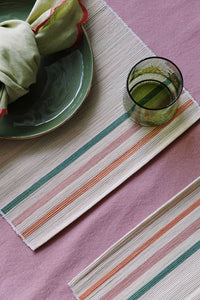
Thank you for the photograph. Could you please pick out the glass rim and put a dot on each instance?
(162, 58)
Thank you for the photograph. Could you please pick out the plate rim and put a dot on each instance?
(76, 110)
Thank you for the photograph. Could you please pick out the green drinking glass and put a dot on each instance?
(153, 89)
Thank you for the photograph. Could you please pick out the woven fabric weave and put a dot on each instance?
(48, 183)
(158, 259)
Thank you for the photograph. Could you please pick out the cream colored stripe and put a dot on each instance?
(80, 211)
(136, 237)
(75, 185)
(142, 257)
(38, 194)
(146, 233)
(100, 192)
(157, 268)
(73, 167)
(91, 173)
(182, 283)
(76, 174)
(145, 255)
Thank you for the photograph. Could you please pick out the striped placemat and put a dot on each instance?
(49, 182)
(159, 259)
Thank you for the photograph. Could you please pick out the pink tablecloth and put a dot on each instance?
(170, 29)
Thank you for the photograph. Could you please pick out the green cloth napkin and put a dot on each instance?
(52, 26)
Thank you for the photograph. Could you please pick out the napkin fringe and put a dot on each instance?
(83, 20)
(3, 111)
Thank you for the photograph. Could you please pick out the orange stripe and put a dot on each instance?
(155, 237)
(74, 176)
(59, 207)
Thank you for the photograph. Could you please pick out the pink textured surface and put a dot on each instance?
(171, 29)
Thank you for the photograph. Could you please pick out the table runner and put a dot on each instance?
(48, 183)
(159, 259)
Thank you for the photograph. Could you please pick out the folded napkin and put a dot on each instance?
(52, 26)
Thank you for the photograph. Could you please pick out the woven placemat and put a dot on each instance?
(49, 182)
(159, 259)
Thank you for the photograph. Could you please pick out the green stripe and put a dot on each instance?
(154, 92)
(66, 162)
(165, 272)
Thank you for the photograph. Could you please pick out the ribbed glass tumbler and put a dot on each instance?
(153, 88)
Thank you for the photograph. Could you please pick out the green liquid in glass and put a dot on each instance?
(151, 94)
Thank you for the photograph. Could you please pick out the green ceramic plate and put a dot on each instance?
(63, 82)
